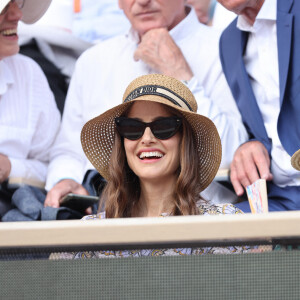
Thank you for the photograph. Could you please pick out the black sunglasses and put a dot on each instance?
(162, 129)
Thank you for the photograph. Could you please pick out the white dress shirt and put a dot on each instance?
(29, 118)
(261, 61)
(222, 17)
(103, 72)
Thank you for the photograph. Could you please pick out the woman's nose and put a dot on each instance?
(148, 136)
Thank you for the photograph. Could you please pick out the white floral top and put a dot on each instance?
(204, 209)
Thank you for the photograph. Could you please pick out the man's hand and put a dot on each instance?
(250, 162)
(5, 167)
(158, 50)
(61, 189)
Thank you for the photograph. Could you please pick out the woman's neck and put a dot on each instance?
(156, 198)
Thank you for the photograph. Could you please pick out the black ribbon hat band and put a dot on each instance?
(158, 91)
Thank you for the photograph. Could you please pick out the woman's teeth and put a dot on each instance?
(154, 154)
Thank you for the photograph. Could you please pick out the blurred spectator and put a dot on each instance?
(52, 43)
(29, 119)
(260, 54)
(99, 20)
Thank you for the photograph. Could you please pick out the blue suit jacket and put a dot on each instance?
(232, 46)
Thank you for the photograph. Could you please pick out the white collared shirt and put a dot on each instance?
(261, 61)
(104, 71)
(29, 118)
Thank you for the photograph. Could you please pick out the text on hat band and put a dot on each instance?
(158, 91)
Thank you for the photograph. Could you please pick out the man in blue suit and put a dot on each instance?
(260, 54)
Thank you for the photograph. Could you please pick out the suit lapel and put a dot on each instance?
(284, 39)
(238, 79)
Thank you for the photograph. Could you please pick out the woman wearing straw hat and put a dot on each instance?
(156, 153)
(29, 118)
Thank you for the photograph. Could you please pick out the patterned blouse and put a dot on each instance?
(204, 209)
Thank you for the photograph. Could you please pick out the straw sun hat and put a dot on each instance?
(97, 135)
(295, 161)
(32, 10)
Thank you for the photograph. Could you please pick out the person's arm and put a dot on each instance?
(220, 107)
(67, 160)
(251, 162)
(213, 94)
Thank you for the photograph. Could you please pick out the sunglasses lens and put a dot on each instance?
(129, 128)
(165, 128)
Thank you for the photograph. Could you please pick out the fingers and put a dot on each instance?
(53, 197)
(243, 169)
(79, 189)
(250, 163)
(89, 211)
(5, 167)
(61, 189)
(148, 49)
(158, 50)
(262, 161)
(236, 183)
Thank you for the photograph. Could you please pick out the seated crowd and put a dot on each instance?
(196, 99)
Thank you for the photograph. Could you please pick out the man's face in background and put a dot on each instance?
(149, 14)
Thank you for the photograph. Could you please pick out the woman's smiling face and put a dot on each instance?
(148, 157)
(8, 31)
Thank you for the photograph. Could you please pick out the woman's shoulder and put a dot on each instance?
(207, 208)
(98, 216)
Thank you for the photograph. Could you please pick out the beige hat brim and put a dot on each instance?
(97, 138)
(33, 10)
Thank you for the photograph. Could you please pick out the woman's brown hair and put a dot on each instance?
(122, 192)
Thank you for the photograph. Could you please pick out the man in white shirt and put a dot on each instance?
(29, 118)
(166, 38)
(260, 54)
